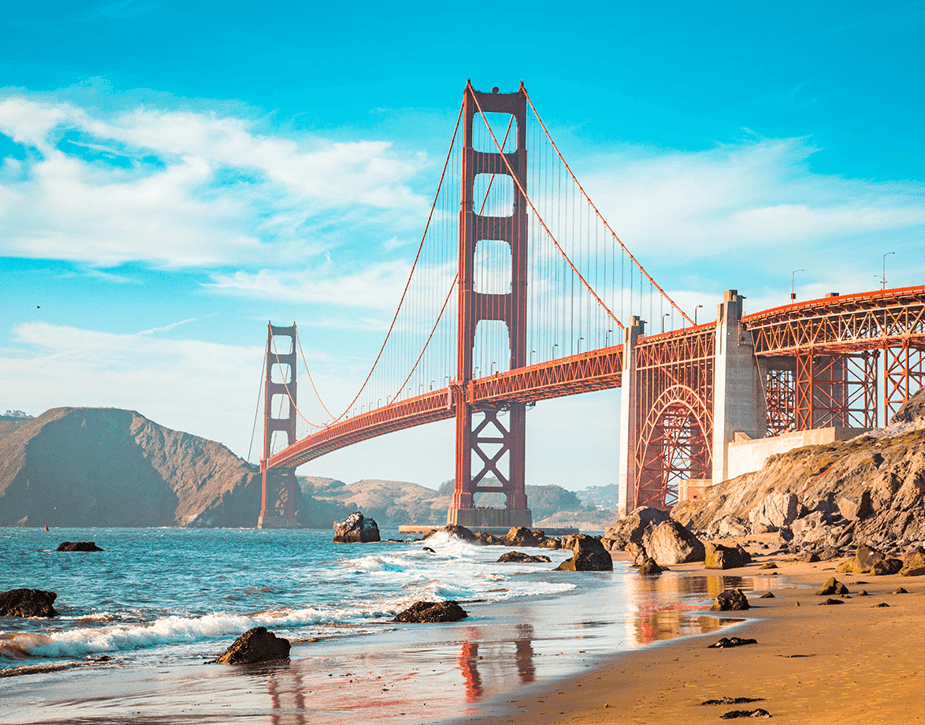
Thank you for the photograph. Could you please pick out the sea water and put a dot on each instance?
(142, 621)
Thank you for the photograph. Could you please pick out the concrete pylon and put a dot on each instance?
(626, 495)
(739, 404)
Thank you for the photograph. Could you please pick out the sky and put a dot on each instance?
(174, 175)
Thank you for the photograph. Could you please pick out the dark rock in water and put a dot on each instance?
(522, 536)
(730, 600)
(718, 556)
(78, 546)
(356, 529)
(767, 595)
(832, 586)
(255, 645)
(425, 612)
(460, 532)
(589, 555)
(732, 701)
(428, 549)
(519, 557)
(830, 601)
(650, 567)
(553, 543)
(479, 538)
(726, 642)
(736, 714)
(27, 603)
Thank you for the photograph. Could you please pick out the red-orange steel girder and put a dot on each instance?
(278, 486)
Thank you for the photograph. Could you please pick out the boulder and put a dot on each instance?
(635, 551)
(914, 563)
(718, 556)
(812, 528)
(461, 532)
(632, 526)
(912, 409)
(731, 600)
(589, 555)
(27, 603)
(774, 510)
(78, 546)
(255, 645)
(868, 560)
(650, 567)
(727, 642)
(832, 586)
(854, 507)
(728, 526)
(428, 612)
(356, 529)
(553, 543)
(670, 543)
(521, 536)
(518, 557)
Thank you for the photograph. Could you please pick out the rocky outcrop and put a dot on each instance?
(95, 467)
(730, 600)
(650, 567)
(255, 645)
(631, 527)
(459, 532)
(914, 562)
(670, 543)
(78, 546)
(588, 555)
(868, 560)
(869, 490)
(425, 612)
(27, 603)
(518, 557)
(357, 529)
(522, 536)
(718, 556)
(832, 586)
(912, 410)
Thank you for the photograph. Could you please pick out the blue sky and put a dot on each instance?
(172, 177)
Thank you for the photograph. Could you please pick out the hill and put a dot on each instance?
(109, 467)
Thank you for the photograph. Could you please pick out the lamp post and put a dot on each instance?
(663, 320)
(695, 313)
(793, 294)
(883, 276)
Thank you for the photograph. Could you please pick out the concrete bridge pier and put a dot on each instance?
(628, 403)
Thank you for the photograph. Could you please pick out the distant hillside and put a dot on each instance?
(111, 467)
(390, 503)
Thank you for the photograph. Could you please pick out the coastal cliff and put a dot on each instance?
(109, 467)
(870, 490)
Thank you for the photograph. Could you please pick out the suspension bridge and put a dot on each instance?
(520, 291)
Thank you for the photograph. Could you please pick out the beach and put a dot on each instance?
(849, 663)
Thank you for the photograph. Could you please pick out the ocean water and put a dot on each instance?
(141, 621)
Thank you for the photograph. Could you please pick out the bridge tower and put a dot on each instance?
(482, 438)
(277, 508)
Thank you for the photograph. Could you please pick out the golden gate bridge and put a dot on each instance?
(520, 291)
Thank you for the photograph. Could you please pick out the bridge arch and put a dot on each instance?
(674, 444)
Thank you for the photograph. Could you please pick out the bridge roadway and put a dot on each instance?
(867, 321)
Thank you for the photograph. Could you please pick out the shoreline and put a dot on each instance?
(851, 663)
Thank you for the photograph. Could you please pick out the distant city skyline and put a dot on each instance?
(174, 176)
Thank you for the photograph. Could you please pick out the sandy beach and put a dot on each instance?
(849, 663)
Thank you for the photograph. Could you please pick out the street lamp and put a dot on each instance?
(883, 276)
(695, 313)
(793, 294)
(663, 320)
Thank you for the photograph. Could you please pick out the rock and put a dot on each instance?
(914, 563)
(27, 603)
(428, 612)
(830, 601)
(356, 529)
(811, 558)
(868, 560)
(632, 526)
(767, 595)
(521, 536)
(728, 526)
(854, 508)
(832, 586)
(900, 590)
(255, 645)
(735, 714)
(78, 546)
(768, 565)
(726, 642)
(732, 701)
(670, 543)
(589, 555)
(519, 557)
(636, 551)
(459, 532)
(650, 567)
(829, 553)
(882, 604)
(775, 510)
(912, 409)
(863, 593)
(479, 538)
(718, 556)
(730, 600)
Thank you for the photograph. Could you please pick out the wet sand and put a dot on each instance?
(422, 674)
(848, 663)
